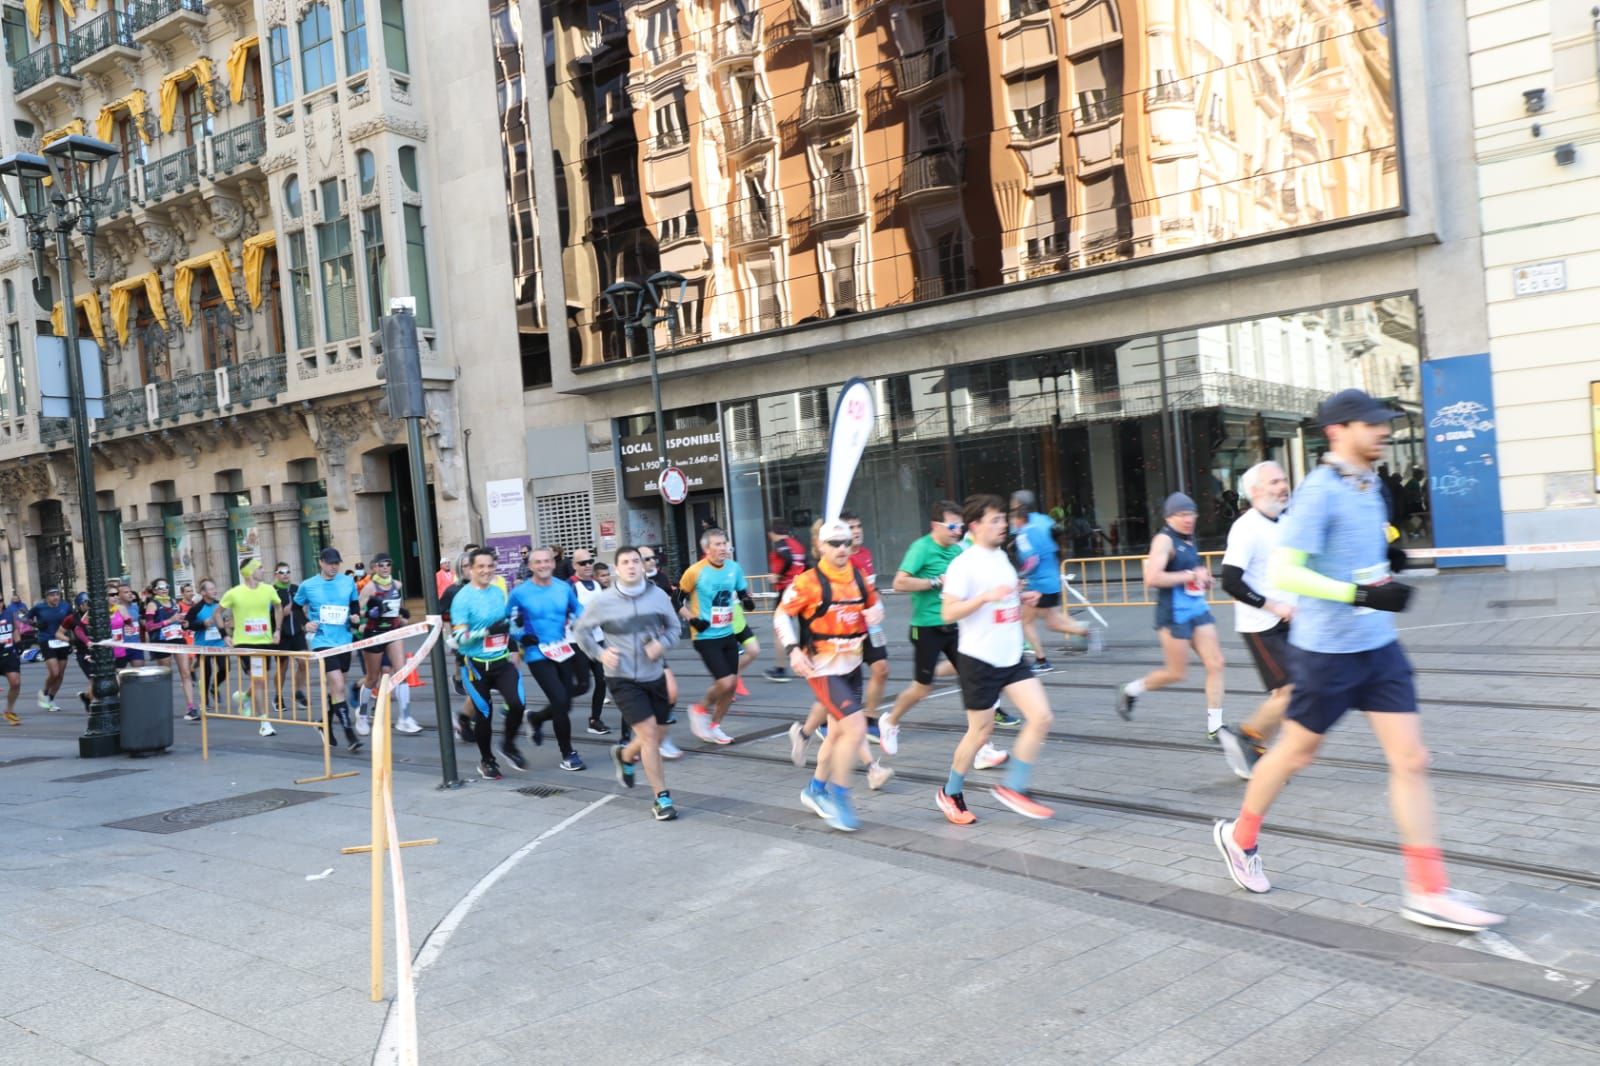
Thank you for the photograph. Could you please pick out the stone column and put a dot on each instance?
(134, 548)
(199, 564)
(218, 547)
(144, 566)
(267, 535)
(155, 549)
(286, 527)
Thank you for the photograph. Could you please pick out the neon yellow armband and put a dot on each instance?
(1289, 572)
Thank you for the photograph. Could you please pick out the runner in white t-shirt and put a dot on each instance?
(1261, 614)
(982, 594)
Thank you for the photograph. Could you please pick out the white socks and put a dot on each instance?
(1213, 719)
(1134, 688)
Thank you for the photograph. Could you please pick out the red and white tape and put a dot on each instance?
(412, 630)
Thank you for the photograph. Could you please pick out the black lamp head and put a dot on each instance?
(661, 285)
(625, 299)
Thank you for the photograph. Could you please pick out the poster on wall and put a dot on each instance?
(508, 555)
(1463, 456)
(644, 527)
(508, 509)
(246, 536)
(180, 559)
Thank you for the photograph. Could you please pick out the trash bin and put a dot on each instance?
(146, 708)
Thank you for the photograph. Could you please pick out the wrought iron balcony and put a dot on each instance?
(946, 284)
(1047, 248)
(258, 379)
(240, 146)
(146, 13)
(33, 68)
(1035, 123)
(839, 203)
(52, 430)
(113, 29)
(192, 394)
(1169, 92)
(751, 225)
(171, 174)
(930, 173)
(829, 100)
(752, 127)
(739, 39)
(125, 410)
(118, 197)
(922, 69)
(1091, 112)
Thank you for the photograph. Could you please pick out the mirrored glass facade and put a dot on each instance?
(806, 159)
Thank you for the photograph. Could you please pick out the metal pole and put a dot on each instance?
(669, 535)
(103, 734)
(430, 596)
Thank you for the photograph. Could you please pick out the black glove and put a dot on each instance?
(747, 601)
(699, 625)
(1398, 559)
(1389, 596)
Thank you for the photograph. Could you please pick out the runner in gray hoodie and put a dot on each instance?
(639, 624)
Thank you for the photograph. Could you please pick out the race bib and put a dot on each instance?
(172, 631)
(721, 616)
(330, 614)
(58, 643)
(558, 651)
(495, 643)
(213, 633)
(1193, 588)
(1369, 575)
(258, 666)
(255, 627)
(6, 636)
(391, 608)
(1007, 615)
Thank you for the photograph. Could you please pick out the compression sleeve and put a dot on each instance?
(1290, 573)
(1234, 584)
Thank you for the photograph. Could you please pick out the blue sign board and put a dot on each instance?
(1463, 456)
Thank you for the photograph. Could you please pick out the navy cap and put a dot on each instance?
(1177, 503)
(1353, 405)
(331, 555)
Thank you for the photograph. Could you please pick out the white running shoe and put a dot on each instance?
(719, 736)
(700, 724)
(407, 725)
(266, 730)
(889, 736)
(45, 702)
(1450, 909)
(989, 757)
(798, 743)
(878, 775)
(363, 724)
(1243, 866)
(669, 750)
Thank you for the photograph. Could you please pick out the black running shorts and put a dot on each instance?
(721, 656)
(640, 701)
(340, 662)
(930, 642)
(982, 682)
(1270, 650)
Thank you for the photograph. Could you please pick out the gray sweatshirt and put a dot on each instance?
(628, 619)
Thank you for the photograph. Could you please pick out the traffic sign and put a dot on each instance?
(674, 485)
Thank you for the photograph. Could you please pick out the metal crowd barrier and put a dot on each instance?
(1118, 580)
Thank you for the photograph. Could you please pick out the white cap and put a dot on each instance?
(835, 530)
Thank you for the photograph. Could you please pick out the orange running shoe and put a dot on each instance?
(954, 808)
(1022, 803)
(740, 690)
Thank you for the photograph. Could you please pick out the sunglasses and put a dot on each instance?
(583, 562)
(837, 543)
(954, 527)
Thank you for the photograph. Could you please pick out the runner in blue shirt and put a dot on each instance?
(46, 618)
(542, 607)
(12, 616)
(480, 633)
(329, 597)
(1039, 566)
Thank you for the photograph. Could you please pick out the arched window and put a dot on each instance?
(291, 196)
(408, 168)
(366, 170)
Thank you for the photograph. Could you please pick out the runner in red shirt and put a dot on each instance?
(786, 561)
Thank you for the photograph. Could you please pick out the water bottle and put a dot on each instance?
(875, 635)
(1097, 641)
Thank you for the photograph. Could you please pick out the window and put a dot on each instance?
(131, 143)
(19, 369)
(408, 168)
(670, 118)
(394, 35)
(339, 314)
(16, 31)
(291, 196)
(661, 33)
(282, 65)
(316, 49)
(305, 332)
(217, 341)
(355, 36)
(366, 171)
(11, 297)
(377, 282)
(196, 116)
(5, 376)
(417, 265)
(273, 299)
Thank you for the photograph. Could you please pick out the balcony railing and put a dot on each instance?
(1093, 111)
(96, 35)
(124, 410)
(240, 146)
(947, 284)
(751, 225)
(829, 100)
(669, 139)
(118, 197)
(1043, 121)
(52, 430)
(171, 174)
(839, 203)
(33, 68)
(922, 68)
(939, 170)
(146, 13)
(192, 394)
(749, 128)
(1020, 8)
(1169, 92)
(738, 40)
(258, 379)
(1043, 249)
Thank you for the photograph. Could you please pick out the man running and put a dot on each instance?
(658, 578)
(382, 602)
(1335, 552)
(1174, 569)
(480, 630)
(1262, 614)
(1040, 563)
(710, 588)
(328, 598)
(544, 608)
(786, 561)
(250, 613)
(638, 624)
(291, 636)
(589, 675)
(12, 615)
(46, 618)
(822, 622)
(875, 653)
(981, 595)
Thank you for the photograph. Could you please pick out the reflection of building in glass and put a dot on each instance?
(510, 85)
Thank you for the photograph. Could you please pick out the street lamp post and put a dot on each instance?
(71, 164)
(646, 307)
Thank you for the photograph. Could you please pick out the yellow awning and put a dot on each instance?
(183, 281)
(135, 104)
(200, 71)
(89, 304)
(255, 255)
(75, 126)
(35, 9)
(238, 61)
(122, 298)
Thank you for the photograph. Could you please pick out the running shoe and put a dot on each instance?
(719, 736)
(490, 771)
(598, 728)
(266, 730)
(624, 768)
(455, 683)
(1004, 718)
(573, 762)
(889, 737)
(1124, 704)
(669, 750)
(700, 723)
(812, 800)
(878, 775)
(45, 702)
(12, 718)
(778, 673)
(740, 689)
(838, 811)
(514, 757)
(1041, 666)
(798, 743)
(954, 808)
(1022, 803)
(1239, 750)
(874, 734)
(663, 809)
(989, 757)
(363, 724)
(538, 734)
(193, 715)
(407, 725)
(672, 718)
(464, 728)
(1243, 866)
(1450, 909)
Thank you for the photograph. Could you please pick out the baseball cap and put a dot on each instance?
(1353, 405)
(1177, 503)
(835, 530)
(331, 555)
(1023, 500)
(381, 557)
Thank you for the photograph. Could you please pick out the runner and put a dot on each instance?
(822, 622)
(12, 616)
(464, 727)
(543, 609)
(786, 561)
(1336, 552)
(480, 630)
(710, 588)
(250, 613)
(658, 578)
(749, 648)
(46, 618)
(383, 606)
(1040, 564)
(162, 623)
(981, 595)
(1262, 614)
(204, 621)
(638, 624)
(291, 636)
(328, 598)
(588, 676)
(875, 653)
(1174, 569)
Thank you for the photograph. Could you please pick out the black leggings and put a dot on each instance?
(214, 676)
(556, 684)
(483, 680)
(586, 671)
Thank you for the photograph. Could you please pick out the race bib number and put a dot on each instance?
(6, 636)
(1369, 575)
(557, 651)
(495, 643)
(1193, 588)
(330, 614)
(255, 627)
(213, 633)
(172, 631)
(391, 608)
(721, 616)
(58, 644)
(258, 666)
(1007, 615)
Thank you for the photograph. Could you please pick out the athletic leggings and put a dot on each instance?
(482, 680)
(214, 676)
(556, 684)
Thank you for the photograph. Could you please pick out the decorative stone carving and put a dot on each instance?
(227, 217)
(180, 444)
(98, 84)
(333, 429)
(162, 244)
(278, 161)
(72, 97)
(442, 432)
(301, 7)
(130, 68)
(232, 16)
(196, 35)
(398, 92)
(161, 52)
(273, 13)
(405, 127)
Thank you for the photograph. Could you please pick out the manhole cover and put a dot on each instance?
(542, 791)
(223, 810)
(27, 759)
(1522, 603)
(98, 775)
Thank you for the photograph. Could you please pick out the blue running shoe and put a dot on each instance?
(1010, 721)
(840, 812)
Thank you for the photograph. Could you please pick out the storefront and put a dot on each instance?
(694, 445)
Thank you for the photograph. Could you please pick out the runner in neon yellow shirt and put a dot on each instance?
(250, 612)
